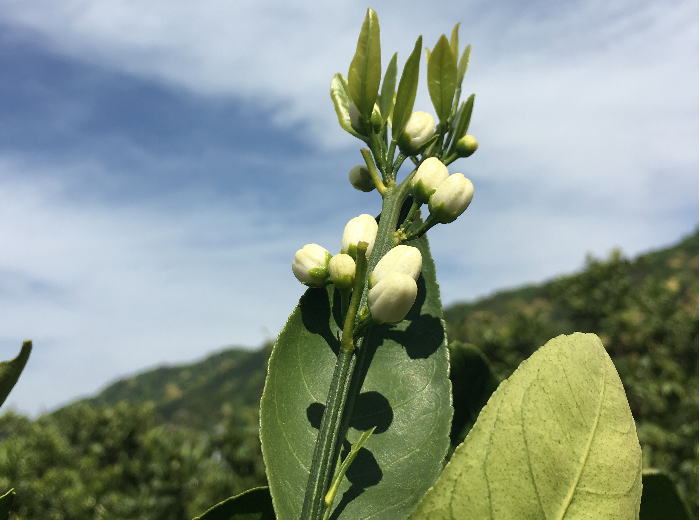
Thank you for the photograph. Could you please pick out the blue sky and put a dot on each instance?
(161, 162)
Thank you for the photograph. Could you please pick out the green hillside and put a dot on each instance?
(200, 419)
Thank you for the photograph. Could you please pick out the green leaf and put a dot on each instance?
(454, 40)
(406, 94)
(463, 63)
(473, 382)
(660, 498)
(6, 501)
(386, 97)
(405, 392)
(464, 117)
(556, 440)
(254, 504)
(366, 67)
(341, 103)
(10, 370)
(442, 78)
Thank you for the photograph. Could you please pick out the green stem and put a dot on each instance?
(369, 161)
(326, 452)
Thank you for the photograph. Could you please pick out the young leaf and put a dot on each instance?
(10, 370)
(406, 94)
(660, 498)
(556, 440)
(462, 119)
(254, 504)
(386, 97)
(6, 501)
(341, 103)
(442, 78)
(402, 373)
(366, 67)
(454, 40)
(463, 64)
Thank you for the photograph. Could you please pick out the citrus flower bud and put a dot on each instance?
(466, 146)
(359, 229)
(356, 118)
(310, 265)
(391, 299)
(430, 174)
(360, 178)
(342, 270)
(418, 131)
(451, 198)
(400, 259)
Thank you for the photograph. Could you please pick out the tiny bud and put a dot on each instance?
(466, 146)
(400, 259)
(451, 198)
(418, 131)
(360, 178)
(391, 299)
(430, 174)
(342, 270)
(359, 229)
(310, 265)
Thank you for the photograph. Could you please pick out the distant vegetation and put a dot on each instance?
(168, 443)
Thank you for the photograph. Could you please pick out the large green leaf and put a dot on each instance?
(405, 393)
(365, 71)
(10, 370)
(406, 93)
(556, 441)
(341, 103)
(6, 501)
(442, 77)
(660, 498)
(254, 504)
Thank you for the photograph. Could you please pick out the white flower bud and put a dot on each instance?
(359, 229)
(400, 259)
(342, 270)
(310, 265)
(361, 179)
(391, 299)
(451, 198)
(418, 131)
(430, 174)
(466, 146)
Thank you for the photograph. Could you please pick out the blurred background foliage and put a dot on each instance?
(168, 443)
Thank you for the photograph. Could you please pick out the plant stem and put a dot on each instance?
(326, 452)
(369, 161)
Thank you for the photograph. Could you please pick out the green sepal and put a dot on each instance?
(556, 440)
(253, 504)
(386, 97)
(406, 93)
(660, 498)
(10, 370)
(6, 502)
(365, 71)
(341, 103)
(442, 78)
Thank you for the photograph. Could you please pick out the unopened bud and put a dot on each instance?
(360, 178)
(342, 270)
(400, 259)
(418, 131)
(451, 198)
(359, 229)
(430, 174)
(356, 120)
(466, 146)
(391, 299)
(310, 265)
